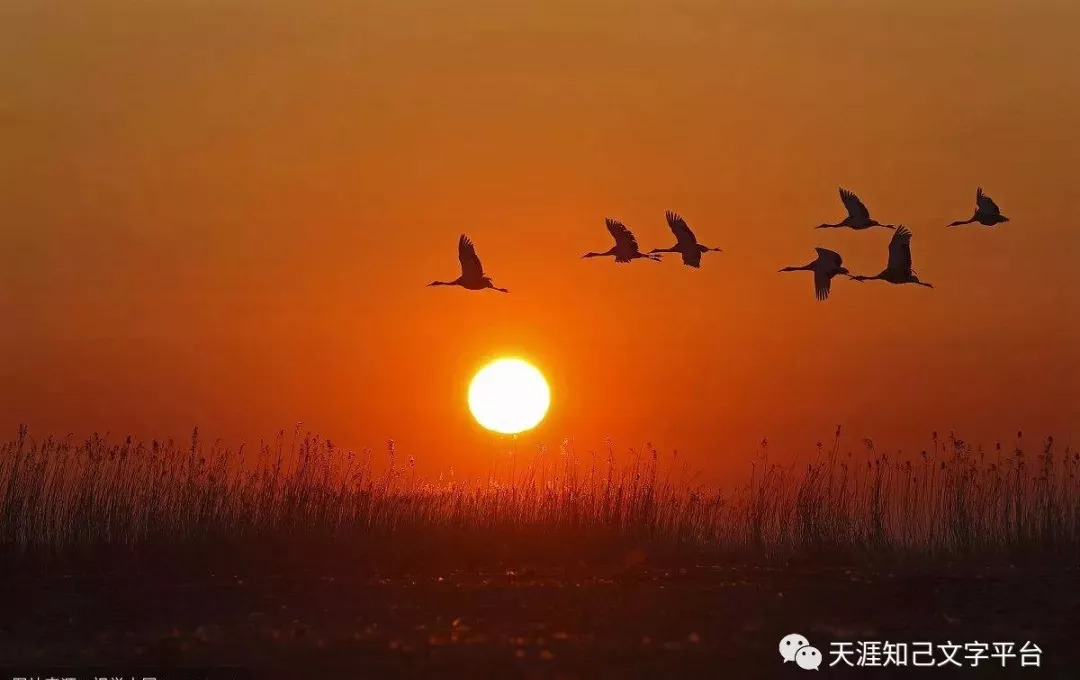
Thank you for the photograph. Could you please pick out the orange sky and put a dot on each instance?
(224, 214)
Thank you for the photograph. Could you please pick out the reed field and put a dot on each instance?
(297, 559)
(951, 500)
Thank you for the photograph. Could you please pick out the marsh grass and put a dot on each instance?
(300, 494)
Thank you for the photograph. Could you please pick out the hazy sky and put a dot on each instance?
(224, 214)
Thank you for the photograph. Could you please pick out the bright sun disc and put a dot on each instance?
(509, 396)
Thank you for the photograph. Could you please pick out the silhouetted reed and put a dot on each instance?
(950, 501)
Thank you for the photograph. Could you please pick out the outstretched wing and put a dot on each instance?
(854, 206)
(470, 263)
(822, 283)
(682, 232)
(830, 256)
(900, 251)
(625, 242)
(830, 261)
(985, 204)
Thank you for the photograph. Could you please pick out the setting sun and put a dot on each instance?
(509, 396)
(406, 338)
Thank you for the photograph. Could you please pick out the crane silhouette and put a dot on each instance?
(986, 212)
(858, 216)
(626, 245)
(898, 270)
(472, 272)
(827, 265)
(686, 243)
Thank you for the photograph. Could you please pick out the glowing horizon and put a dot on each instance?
(244, 242)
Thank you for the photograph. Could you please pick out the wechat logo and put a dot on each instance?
(795, 647)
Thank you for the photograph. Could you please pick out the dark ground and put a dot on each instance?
(647, 622)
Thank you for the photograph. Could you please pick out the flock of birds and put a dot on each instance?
(827, 266)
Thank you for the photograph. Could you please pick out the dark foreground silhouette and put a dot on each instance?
(305, 562)
(575, 621)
